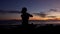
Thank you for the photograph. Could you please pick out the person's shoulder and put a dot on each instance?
(28, 13)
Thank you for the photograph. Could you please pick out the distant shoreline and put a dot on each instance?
(30, 20)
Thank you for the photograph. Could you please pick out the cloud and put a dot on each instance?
(54, 13)
(52, 16)
(9, 16)
(1, 11)
(41, 14)
(53, 9)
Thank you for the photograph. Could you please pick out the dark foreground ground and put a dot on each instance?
(29, 28)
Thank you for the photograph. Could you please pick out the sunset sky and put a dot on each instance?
(49, 7)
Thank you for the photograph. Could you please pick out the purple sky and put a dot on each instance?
(32, 5)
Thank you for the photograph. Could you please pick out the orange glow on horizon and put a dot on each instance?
(35, 19)
(32, 18)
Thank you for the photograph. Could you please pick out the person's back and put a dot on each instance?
(25, 16)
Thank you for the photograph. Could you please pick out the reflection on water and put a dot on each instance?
(19, 22)
(45, 22)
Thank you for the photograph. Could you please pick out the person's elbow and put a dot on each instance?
(31, 15)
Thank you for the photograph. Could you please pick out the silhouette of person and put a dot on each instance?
(25, 16)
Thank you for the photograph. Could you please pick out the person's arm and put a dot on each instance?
(30, 15)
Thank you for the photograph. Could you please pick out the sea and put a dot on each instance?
(38, 22)
(14, 23)
(19, 22)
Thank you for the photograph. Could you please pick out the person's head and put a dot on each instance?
(24, 9)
